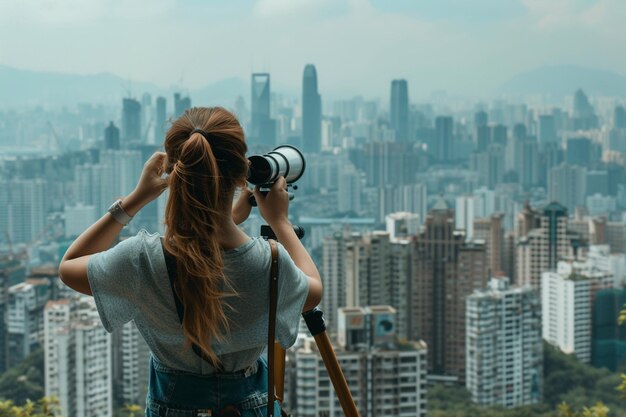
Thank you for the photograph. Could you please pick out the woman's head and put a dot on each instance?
(203, 174)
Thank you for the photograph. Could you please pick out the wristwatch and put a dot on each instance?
(119, 214)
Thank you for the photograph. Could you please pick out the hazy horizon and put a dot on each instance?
(358, 46)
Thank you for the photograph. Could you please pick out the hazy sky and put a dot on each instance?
(463, 46)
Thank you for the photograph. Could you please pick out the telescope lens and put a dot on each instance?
(285, 161)
(261, 170)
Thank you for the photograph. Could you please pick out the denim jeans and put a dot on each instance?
(173, 393)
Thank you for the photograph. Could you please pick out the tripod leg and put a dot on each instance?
(315, 322)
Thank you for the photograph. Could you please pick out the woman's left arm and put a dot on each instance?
(101, 235)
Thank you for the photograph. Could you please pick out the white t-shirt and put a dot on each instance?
(130, 282)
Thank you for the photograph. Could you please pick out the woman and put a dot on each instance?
(207, 359)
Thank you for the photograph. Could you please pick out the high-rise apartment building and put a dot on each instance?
(23, 212)
(385, 377)
(402, 224)
(504, 345)
(311, 111)
(542, 241)
(77, 352)
(491, 231)
(130, 365)
(24, 319)
(399, 109)
(263, 128)
(567, 296)
(78, 218)
(446, 269)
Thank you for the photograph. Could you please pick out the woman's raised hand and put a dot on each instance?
(274, 205)
(151, 184)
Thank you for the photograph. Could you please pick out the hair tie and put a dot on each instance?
(209, 138)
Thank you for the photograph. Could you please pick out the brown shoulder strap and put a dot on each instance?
(271, 334)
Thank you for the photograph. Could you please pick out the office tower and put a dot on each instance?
(399, 109)
(446, 269)
(311, 111)
(77, 352)
(568, 185)
(402, 224)
(547, 130)
(160, 120)
(443, 139)
(181, 104)
(542, 242)
(578, 151)
(551, 155)
(504, 345)
(111, 137)
(567, 297)
(24, 320)
(615, 236)
(608, 345)
(350, 187)
(130, 365)
(385, 377)
(499, 134)
(24, 208)
(410, 198)
(263, 128)
(491, 231)
(131, 120)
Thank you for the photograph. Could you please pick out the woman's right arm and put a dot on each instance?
(274, 209)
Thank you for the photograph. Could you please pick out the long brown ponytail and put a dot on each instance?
(203, 175)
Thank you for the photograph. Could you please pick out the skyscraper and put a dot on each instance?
(263, 128)
(567, 184)
(160, 120)
(311, 111)
(131, 120)
(112, 137)
(399, 109)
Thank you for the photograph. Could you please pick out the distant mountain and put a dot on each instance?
(562, 80)
(19, 88)
(29, 88)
